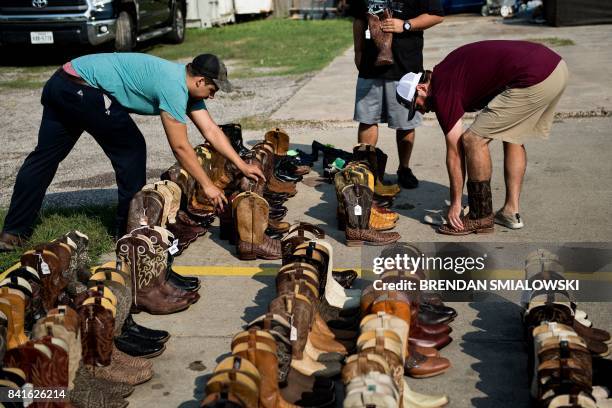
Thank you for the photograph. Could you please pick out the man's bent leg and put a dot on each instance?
(55, 140)
(515, 163)
(478, 163)
(367, 134)
(125, 146)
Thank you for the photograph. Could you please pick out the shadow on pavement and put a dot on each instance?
(500, 350)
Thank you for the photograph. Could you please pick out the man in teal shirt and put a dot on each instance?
(96, 93)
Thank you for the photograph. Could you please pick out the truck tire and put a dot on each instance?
(177, 35)
(125, 37)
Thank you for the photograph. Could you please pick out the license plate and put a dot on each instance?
(41, 37)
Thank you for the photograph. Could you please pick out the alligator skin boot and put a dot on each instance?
(479, 219)
(251, 218)
(280, 139)
(382, 40)
(147, 277)
(357, 202)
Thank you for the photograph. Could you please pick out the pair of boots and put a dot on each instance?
(376, 161)
(130, 338)
(145, 252)
(250, 215)
(382, 40)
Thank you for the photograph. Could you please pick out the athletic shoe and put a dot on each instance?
(509, 221)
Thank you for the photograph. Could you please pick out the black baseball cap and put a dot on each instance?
(210, 66)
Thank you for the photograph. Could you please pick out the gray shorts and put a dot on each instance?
(375, 102)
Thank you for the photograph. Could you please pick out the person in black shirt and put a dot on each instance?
(375, 100)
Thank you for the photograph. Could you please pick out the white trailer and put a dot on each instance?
(253, 7)
(208, 13)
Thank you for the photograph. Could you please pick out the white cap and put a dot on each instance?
(406, 91)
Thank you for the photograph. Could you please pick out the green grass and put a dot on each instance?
(553, 41)
(266, 47)
(94, 221)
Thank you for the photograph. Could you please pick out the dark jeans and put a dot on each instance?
(68, 110)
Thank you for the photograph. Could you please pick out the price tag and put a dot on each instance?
(143, 220)
(293, 334)
(357, 210)
(367, 34)
(44, 267)
(174, 248)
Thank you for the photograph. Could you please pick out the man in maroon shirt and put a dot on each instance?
(516, 86)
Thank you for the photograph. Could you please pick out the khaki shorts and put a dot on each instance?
(520, 114)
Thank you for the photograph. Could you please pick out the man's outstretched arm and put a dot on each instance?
(455, 164)
(176, 132)
(211, 132)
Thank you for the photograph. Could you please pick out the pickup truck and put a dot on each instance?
(119, 23)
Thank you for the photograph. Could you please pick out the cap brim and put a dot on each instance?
(223, 85)
(410, 105)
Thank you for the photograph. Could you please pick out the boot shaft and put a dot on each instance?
(480, 199)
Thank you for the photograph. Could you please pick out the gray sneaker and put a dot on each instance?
(513, 221)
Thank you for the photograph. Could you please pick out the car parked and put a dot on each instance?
(121, 23)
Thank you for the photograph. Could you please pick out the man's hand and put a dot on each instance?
(215, 195)
(454, 216)
(252, 171)
(393, 25)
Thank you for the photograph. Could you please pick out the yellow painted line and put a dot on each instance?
(250, 271)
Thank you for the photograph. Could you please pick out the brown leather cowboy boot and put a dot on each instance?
(251, 220)
(479, 219)
(382, 40)
(357, 202)
(146, 208)
(280, 139)
(49, 268)
(146, 277)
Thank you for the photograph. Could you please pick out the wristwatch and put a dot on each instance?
(407, 25)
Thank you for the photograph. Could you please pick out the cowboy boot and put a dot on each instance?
(16, 308)
(161, 248)
(280, 139)
(97, 325)
(479, 219)
(357, 202)
(183, 179)
(146, 208)
(381, 39)
(251, 218)
(146, 277)
(48, 266)
(233, 131)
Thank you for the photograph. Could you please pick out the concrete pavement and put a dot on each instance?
(566, 199)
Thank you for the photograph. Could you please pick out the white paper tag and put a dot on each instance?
(357, 210)
(174, 248)
(293, 336)
(28, 391)
(44, 268)
(367, 34)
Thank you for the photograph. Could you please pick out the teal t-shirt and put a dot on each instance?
(142, 83)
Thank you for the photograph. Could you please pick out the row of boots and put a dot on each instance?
(64, 326)
(567, 354)
(196, 212)
(290, 355)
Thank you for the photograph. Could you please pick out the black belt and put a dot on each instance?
(71, 78)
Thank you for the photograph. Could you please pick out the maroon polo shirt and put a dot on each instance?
(469, 77)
